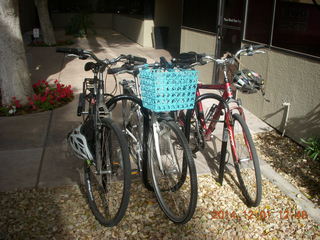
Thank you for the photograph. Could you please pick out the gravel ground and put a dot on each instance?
(62, 213)
(289, 160)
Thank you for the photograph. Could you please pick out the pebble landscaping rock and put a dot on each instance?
(62, 213)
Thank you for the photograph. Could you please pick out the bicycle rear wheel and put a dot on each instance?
(135, 125)
(172, 171)
(108, 192)
(198, 120)
(132, 126)
(246, 162)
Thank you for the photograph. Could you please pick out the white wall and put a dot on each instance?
(288, 79)
(136, 29)
(201, 43)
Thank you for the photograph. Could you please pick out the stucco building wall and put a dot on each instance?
(138, 30)
(289, 80)
(199, 42)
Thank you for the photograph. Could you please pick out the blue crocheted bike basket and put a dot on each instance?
(170, 90)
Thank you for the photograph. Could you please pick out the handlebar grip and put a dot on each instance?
(139, 59)
(76, 51)
(190, 57)
(164, 62)
(116, 70)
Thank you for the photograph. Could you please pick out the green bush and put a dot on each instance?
(80, 24)
(313, 147)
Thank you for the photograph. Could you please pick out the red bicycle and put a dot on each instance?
(210, 109)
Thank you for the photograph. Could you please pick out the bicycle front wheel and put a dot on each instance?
(173, 171)
(108, 190)
(246, 162)
(135, 127)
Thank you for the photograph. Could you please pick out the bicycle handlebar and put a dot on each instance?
(83, 54)
(192, 59)
(116, 70)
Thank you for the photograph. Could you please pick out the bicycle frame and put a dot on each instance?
(97, 109)
(227, 98)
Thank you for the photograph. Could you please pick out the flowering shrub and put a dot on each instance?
(46, 97)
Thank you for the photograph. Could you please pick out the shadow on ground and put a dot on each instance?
(289, 158)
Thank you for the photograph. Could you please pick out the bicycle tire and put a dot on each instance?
(146, 178)
(246, 163)
(131, 126)
(97, 197)
(193, 129)
(144, 163)
(178, 200)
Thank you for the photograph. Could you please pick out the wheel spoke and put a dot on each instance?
(176, 192)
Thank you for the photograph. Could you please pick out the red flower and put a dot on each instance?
(43, 99)
(36, 97)
(17, 104)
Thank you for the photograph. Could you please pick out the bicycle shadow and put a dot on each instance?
(212, 158)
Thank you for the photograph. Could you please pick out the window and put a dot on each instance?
(296, 26)
(259, 21)
(133, 7)
(200, 15)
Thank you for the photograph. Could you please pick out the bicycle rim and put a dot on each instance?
(108, 193)
(132, 125)
(173, 172)
(199, 122)
(246, 162)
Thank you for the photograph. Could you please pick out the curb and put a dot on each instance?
(291, 191)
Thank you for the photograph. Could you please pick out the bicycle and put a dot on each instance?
(227, 110)
(166, 165)
(101, 144)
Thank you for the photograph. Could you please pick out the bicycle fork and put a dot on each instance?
(156, 133)
(225, 137)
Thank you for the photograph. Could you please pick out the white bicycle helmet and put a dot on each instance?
(248, 81)
(79, 144)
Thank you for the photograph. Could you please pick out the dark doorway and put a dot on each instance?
(229, 31)
(229, 28)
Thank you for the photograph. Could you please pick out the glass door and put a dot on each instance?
(229, 29)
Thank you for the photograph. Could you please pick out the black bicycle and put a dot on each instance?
(101, 144)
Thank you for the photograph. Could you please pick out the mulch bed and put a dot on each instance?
(289, 159)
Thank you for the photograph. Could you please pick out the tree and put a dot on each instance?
(14, 75)
(45, 23)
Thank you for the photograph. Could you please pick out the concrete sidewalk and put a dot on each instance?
(33, 148)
